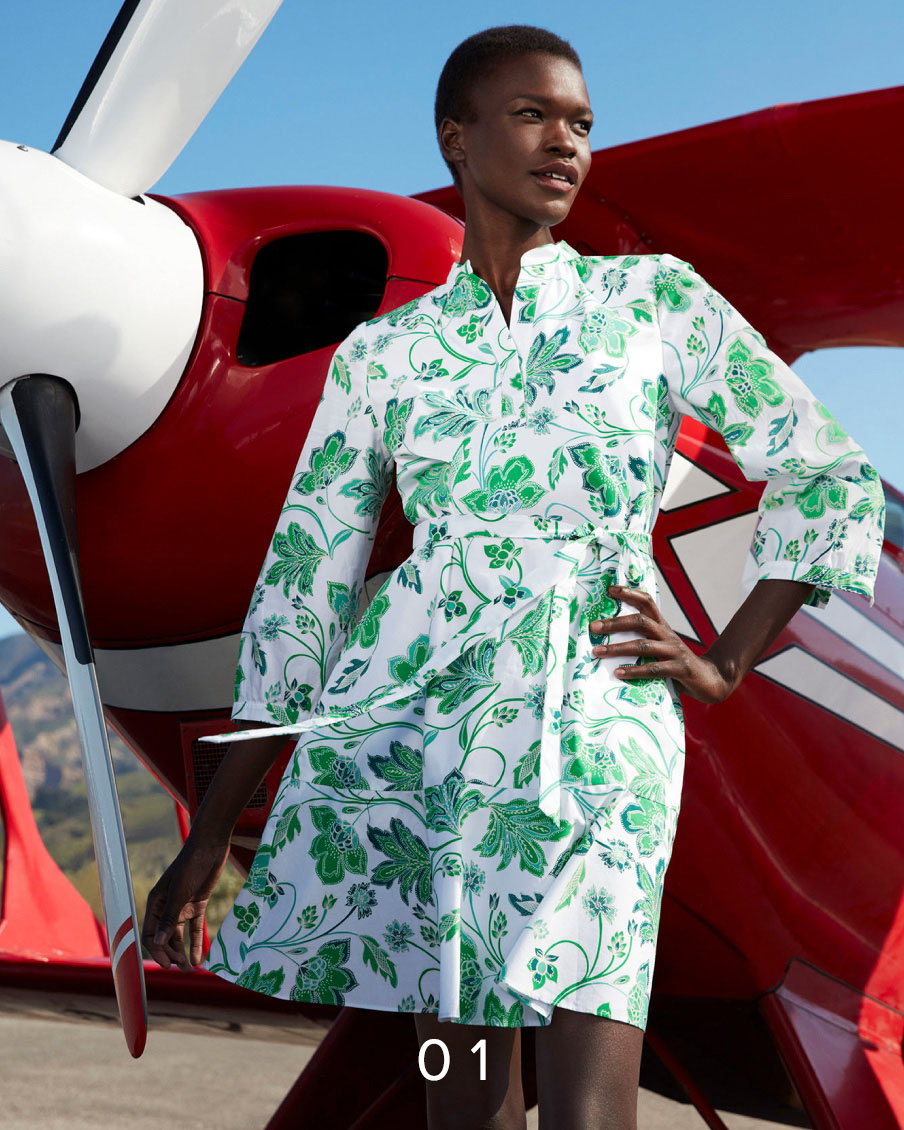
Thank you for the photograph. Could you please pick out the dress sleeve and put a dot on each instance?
(309, 585)
(821, 516)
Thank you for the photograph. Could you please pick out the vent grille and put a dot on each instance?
(206, 761)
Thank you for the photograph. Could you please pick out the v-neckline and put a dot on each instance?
(503, 331)
(544, 253)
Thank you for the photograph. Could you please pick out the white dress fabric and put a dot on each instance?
(478, 816)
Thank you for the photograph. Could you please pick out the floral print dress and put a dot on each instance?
(478, 814)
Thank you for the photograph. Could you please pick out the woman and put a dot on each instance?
(478, 816)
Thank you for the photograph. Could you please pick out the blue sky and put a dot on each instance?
(342, 94)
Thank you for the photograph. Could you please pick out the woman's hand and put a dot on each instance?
(694, 674)
(181, 895)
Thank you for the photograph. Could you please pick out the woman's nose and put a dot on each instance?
(561, 139)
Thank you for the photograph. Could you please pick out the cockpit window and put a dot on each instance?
(308, 291)
(894, 520)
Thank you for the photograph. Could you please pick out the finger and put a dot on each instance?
(162, 953)
(151, 916)
(660, 649)
(159, 954)
(637, 672)
(196, 939)
(161, 945)
(639, 597)
(637, 622)
(151, 929)
(177, 948)
(171, 952)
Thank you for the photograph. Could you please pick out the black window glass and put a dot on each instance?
(308, 291)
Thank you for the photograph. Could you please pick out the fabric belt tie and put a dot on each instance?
(632, 546)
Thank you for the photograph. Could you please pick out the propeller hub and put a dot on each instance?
(104, 291)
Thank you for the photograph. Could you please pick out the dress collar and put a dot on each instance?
(545, 253)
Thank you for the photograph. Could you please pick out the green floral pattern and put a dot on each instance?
(418, 856)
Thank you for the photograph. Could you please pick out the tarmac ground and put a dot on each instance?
(78, 1075)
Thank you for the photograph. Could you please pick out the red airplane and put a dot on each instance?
(161, 358)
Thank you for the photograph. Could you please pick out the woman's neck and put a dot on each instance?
(494, 246)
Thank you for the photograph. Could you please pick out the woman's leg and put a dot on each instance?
(461, 1100)
(588, 1072)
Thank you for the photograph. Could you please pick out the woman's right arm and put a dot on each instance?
(182, 893)
(299, 617)
(234, 783)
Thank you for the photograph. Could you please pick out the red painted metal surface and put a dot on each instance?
(233, 224)
(844, 1050)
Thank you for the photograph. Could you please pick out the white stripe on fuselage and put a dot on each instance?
(830, 689)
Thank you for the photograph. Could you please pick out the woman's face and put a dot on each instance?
(532, 122)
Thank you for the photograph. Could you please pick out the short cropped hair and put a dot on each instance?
(477, 55)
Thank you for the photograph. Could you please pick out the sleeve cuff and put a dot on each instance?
(826, 579)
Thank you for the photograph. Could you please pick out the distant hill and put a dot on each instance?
(39, 707)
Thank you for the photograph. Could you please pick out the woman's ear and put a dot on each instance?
(451, 143)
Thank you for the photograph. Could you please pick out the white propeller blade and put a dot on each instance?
(159, 71)
(38, 415)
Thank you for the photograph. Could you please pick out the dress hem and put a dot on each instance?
(383, 1007)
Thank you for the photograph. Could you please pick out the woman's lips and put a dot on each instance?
(553, 182)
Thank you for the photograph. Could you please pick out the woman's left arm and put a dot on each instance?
(821, 515)
(712, 676)
(820, 518)
(769, 606)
